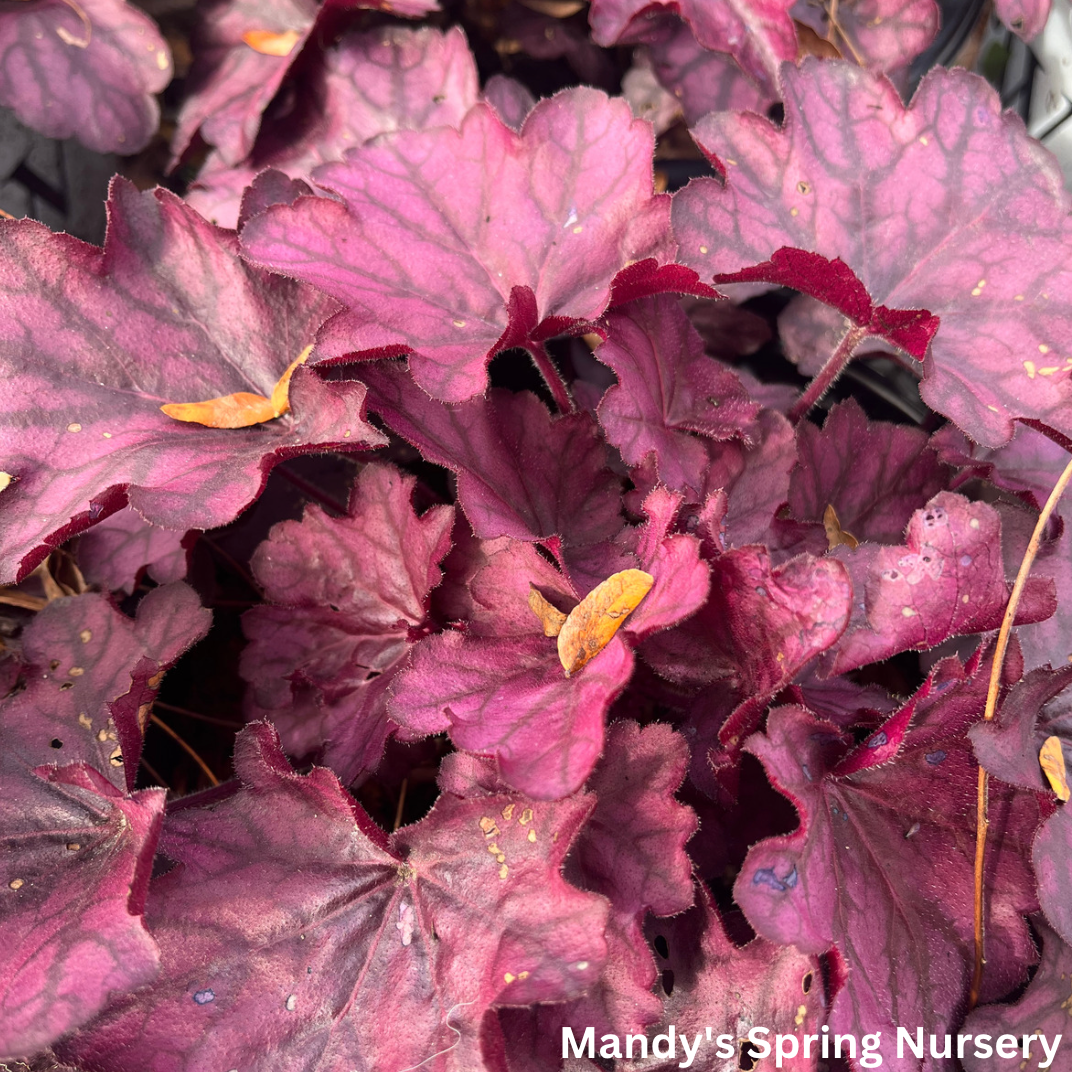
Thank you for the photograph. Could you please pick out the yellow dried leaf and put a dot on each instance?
(272, 44)
(551, 617)
(1052, 762)
(242, 409)
(835, 534)
(591, 625)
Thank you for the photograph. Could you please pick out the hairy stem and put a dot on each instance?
(835, 365)
(983, 803)
(557, 386)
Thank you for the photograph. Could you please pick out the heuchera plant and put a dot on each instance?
(596, 671)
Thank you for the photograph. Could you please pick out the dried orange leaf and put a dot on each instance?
(242, 409)
(835, 534)
(1052, 762)
(272, 44)
(591, 625)
(551, 617)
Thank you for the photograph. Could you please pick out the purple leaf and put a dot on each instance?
(703, 81)
(114, 553)
(885, 35)
(80, 423)
(874, 474)
(884, 856)
(350, 595)
(74, 872)
(392, 78)
(91, 70)
(947, 580)
(945, 206)
(668, 389)
(521, 472)
(1042, 1010)
(759, 34)
(548, 219)
(510, 98)
(315, 931)
(91, 675)
(232, 82)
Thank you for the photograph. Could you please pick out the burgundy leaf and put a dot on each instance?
(1042, 1010)
(91, 675)
(90, 69)
(885, 35)
(759, 34)
(315, 932)
(233, 82)
(368, 83)
(1052, 858)
(947, 580)
(1029, 467)
(711, 983)
(349, 595)
(884, 856)
(759, 627)
(946, 207)
(80, 421)
(521, 472)
(703, 81)
(114, 553)
(509, 697)
(549, 217)
(74, 870)
(874, 474)
(631, 850)
(1008, 747)
(668, 389)
(502, 690)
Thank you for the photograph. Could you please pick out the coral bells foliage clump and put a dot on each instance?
(431, 623)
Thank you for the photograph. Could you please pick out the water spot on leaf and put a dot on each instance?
(934, 758)
(204, 997)
(877, 740)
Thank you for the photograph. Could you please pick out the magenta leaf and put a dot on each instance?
(1025, 17)
(549, 217)
(80, 423)
(884, 856)
(232, 83)
(75, 865)
(834, 181)
(91, 70)
(668, 391)
(703, 81)
(759, 34)
(885, 35)
(368, 83)
(1042, 1010)
(521, 472)
(316, 930)
(115, 552)
(91, 674)
(947, 580)
(501, 690)
(874, 474)
(348, 595)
